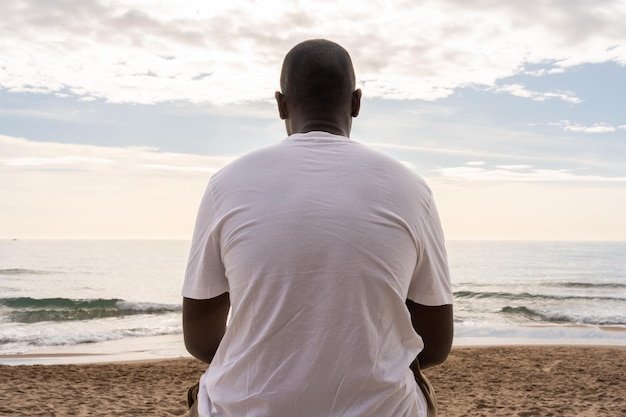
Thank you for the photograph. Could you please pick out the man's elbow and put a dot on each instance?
(436, 350)
(199, 350)
(433, 357)
(435, 325)
(204, 325)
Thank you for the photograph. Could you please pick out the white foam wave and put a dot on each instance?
(18, 339)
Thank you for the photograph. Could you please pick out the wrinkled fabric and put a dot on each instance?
(319, 241)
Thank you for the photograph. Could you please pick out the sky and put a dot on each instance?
(115, 113)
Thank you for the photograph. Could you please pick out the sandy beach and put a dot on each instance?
(509, 381)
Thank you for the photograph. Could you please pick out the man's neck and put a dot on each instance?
(341, 128)
(323, 128)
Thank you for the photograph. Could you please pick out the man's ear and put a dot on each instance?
(356, 102)
(282, 106)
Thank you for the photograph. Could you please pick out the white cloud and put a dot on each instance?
(514, 167)
(442, 150)
(18, 154)
(143, 51)
(567, 126)
(522, 173)
(70, 160)
(52, 189)
(479, 153)
(176, 168)
(542, 72)
(520, 91)
(596, 128)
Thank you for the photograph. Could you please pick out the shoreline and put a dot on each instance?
(168, 347)
(150, 348)
(511, 381)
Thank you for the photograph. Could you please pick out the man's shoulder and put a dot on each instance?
(351, 155)
(249, 162)
(400, 170)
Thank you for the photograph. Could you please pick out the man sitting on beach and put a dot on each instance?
(332, 259)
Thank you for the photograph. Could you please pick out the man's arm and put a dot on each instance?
(435, 325)
(204, 324)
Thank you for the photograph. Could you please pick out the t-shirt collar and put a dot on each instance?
(316, 135)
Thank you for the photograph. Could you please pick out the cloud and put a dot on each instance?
(479, 153)
(596, 128)
(544, 71)
(522, 173)
(140, 51)
(513, 167)
(442, 150)
(55, 161)
(520, 91)
(567, 126)
(53, 189)
(23, 155)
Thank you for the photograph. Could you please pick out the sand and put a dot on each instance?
(478, 381)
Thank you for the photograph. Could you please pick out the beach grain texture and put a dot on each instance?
(478, 381)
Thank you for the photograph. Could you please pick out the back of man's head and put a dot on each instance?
(317, 76)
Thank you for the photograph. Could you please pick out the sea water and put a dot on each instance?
(550, 291)
(79, 295)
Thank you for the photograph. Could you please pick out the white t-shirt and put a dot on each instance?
(319, 240)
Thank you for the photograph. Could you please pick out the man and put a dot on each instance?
(332, 259)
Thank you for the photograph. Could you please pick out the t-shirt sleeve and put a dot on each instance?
(205, 276)
(430, 284)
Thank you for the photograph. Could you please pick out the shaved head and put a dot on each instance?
(317, 75)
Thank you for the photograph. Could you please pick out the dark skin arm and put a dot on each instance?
(435, 325)
(204, 325)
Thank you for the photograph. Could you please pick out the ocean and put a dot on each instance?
(102, 296)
